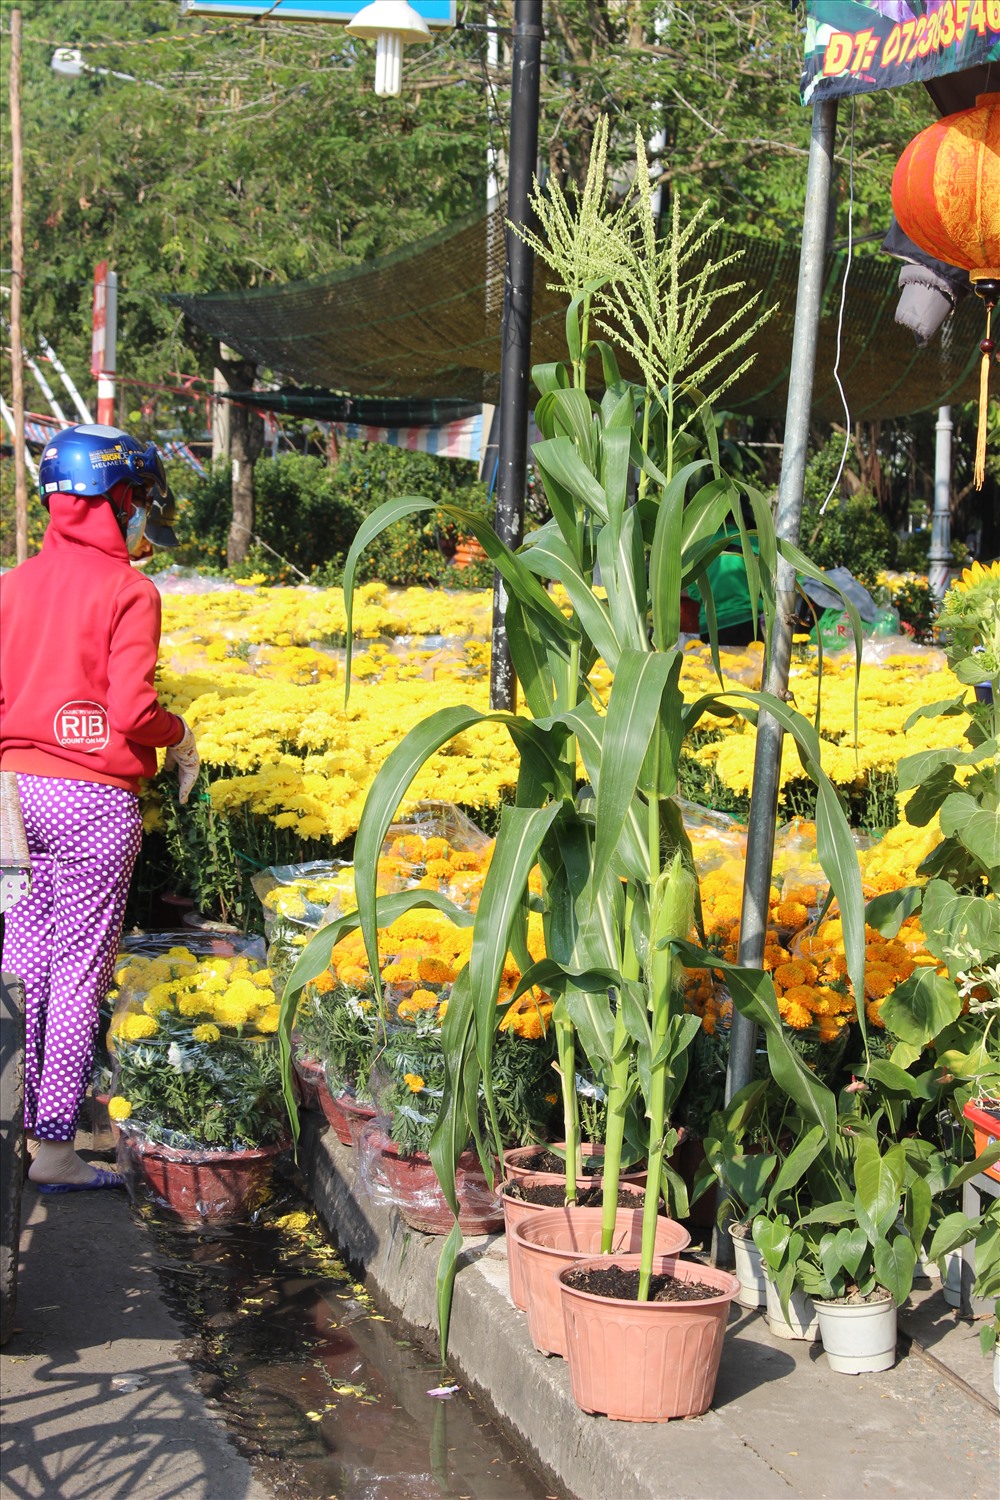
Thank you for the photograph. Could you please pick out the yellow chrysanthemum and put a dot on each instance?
(208, 1032)
(230, 1010)
(136, 1028)
(118, 1107)
(413, 1082)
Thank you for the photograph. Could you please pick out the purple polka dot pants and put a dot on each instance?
(62, 939)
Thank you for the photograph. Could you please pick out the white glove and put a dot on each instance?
(184, 755)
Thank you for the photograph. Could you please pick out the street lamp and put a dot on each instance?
(394, 25)
(68, 63)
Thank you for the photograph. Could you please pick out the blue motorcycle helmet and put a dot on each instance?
(94, 460)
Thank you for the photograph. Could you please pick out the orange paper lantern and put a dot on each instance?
(946, 197)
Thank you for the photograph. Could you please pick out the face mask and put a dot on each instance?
(135, 530)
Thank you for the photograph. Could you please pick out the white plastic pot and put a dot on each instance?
(802, 1321)
(858, 1338)
(952, 1282)
(750, 1270)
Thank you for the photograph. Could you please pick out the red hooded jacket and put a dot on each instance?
(79, 633)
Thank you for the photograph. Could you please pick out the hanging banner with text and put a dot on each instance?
(857, 46)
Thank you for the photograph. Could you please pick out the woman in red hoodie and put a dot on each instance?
(79, 725)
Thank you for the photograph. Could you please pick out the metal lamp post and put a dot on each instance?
(515, 365)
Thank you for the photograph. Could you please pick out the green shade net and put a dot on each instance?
(426, 323)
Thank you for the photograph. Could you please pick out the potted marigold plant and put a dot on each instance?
(617, 881)
(197, 1084)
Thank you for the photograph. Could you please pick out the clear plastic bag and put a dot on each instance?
(300, 898)
(185, 994)
(436, 845)
(900, 652)
(715, 836)
(409, 1184)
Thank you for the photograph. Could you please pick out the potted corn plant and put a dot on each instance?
(596, 809)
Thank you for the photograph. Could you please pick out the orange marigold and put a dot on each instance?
(794, 1014)
(880, 981)
(797, 971)
(791, 914)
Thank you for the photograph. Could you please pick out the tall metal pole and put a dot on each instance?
(16, 287)
(515, 366)
(940, 555)
(767, 761)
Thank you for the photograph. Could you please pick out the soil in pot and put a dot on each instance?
(547, 1194)
(528, 1196)
(530, 1160)
(623, 1286)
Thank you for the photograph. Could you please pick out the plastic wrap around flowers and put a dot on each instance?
(195, 1060)
(436, 847)
(406, 1084)
(390, 1054)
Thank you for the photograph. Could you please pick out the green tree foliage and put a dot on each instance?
(853, 535)
(235, 155)
(243, 153)
(308, 514)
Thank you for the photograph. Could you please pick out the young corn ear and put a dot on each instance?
(672, 915)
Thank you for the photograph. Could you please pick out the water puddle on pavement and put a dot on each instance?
(317, 1387)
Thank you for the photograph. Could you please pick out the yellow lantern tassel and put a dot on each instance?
(984, 404)
(985, 285)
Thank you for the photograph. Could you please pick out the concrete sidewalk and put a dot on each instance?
(96, 1402)
(782, 1424)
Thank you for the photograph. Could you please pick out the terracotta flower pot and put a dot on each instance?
(345, 1115)
(410, 1182)
(207, 1186)
(518, 1163)
(646, 1361)
(515, 1212)
(550, 1242)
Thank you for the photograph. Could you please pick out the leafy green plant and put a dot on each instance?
(847, 1199)
(339, 1027)
(918, 606)
(618, 884)
(307, 513)
(195, 1093)
(407, 1080)
(852, 535)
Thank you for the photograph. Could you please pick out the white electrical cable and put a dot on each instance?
(840, 320)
